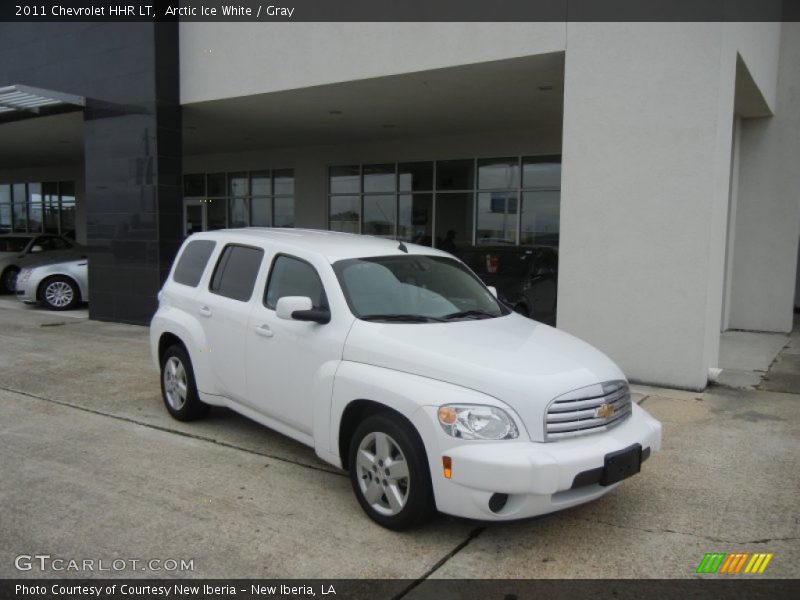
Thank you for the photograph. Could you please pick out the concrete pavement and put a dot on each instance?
(93, 467)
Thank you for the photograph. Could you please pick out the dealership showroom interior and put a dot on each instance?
(501, 267)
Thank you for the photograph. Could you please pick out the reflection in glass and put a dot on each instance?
(238, 183)
(35, 214)
(540, 218)
(414, 219)
(51, 211)
(194, 185)
(19, 216)
(454, 174)
(454, 221)
(260, 183)
(216, 185)
(415, 176)
(541, 173)
(261, 212)
(497, 218)
(284, 182)
(379, 215)
(67, 194)
(344, 213)
(5, 193)
(5, 217)
(379, 178)
(215, 213)
(345, 180)
(238, 212)
(284, 212)
(498, 173)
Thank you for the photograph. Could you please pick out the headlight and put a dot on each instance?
(477, 422)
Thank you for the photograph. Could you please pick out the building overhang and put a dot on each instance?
(23, 101)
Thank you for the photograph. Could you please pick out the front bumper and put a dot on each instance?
(537, 478)
(27, 294)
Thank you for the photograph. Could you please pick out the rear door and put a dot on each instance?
(223, 310)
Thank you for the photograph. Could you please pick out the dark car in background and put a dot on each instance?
(526, 277)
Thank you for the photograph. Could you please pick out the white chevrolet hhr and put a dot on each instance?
(395, 362)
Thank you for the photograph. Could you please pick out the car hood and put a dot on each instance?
(520, 362)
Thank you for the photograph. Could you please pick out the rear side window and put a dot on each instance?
(294, 277)
(236, 272)
(193, 262)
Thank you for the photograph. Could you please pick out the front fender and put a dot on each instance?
(185, 327)
(399, 391)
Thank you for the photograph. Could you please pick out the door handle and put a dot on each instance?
(205, 311)
(264, 330)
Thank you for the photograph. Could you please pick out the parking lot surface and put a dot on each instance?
(92, 467)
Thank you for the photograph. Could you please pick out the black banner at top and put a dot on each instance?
(399, 10)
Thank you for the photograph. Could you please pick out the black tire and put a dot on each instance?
(419, 504)
(59, 293)
(192, 408)
(8, 280)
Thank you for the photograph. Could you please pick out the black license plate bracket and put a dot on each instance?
(621, 464)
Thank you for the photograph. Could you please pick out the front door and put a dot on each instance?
(286, 358)
(194, 216)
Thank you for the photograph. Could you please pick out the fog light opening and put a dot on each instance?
(447, 467)
(497, 502)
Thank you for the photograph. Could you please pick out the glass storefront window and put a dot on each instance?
(260, 183)
(261, 212)
(67, 198)
(238, 212)
(194, 185)
(497, 218)
(454, 221)
(498, 174)
(454, 174)
(541, 172)
(380, 215)
(415, 217)
(345, 180)
(215, 185)
(284, 211)
(379, 178)
(35, 212)
(5, 208)
(215, 213)
(238, 184)
(345, 213)
(416, 176)
(540, 219)
(283, 182)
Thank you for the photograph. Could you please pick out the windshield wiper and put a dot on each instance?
(401, 318)
(477, 313)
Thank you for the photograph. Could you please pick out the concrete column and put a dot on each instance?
(648, 116)
(768, 218)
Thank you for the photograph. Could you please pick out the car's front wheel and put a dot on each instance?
(59, 293)
(389, 473)
(178, 388)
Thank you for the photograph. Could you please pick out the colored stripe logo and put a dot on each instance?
(734, 563)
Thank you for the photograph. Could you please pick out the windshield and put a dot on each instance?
(13, 244)
(414, 288)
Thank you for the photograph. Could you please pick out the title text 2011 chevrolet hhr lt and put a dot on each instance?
(396, 363)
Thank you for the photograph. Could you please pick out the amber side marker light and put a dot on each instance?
(447, 465)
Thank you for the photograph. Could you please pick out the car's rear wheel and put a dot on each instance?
(389, 473)
(8, 280)
(59, 293)
(178, 388)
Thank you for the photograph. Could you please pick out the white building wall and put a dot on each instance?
(765, 247)
(225, 60)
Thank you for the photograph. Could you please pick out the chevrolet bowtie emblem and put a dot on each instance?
(604, 411)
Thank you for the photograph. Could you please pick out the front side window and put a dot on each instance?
(14, 244)
(193, 261)
(236, 272)
(414, 288)
(294, 277)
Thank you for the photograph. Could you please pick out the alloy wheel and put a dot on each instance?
(175, 383)
(59, 294)
(383, 474)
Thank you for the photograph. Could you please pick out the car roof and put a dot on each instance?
(332, 245)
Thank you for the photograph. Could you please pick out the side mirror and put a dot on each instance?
(36, 248)
(300, 308)
(493, 290)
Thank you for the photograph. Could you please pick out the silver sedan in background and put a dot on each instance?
(57, 286)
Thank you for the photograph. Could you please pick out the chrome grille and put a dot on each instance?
(582, 411)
